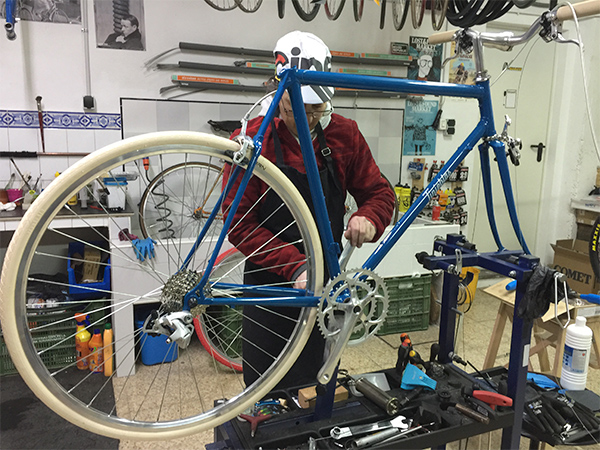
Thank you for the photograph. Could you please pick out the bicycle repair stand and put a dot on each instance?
(458, 253)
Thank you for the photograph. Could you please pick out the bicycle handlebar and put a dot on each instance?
(583, 9)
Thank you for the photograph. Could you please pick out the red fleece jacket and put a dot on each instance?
(355, 168)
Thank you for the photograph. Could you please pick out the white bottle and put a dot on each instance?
(576, 357)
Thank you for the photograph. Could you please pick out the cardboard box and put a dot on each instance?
(91, 264)
(307, 397)
(571, 258)
(585, 217)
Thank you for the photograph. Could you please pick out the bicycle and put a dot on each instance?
(185, 279)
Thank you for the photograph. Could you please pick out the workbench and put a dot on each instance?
(456, 253)
(294, 429)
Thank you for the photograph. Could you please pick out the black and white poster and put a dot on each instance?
(53, 11)
(120, 26)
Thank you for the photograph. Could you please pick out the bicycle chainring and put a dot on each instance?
(367, 291)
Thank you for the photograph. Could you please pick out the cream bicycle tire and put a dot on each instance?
(23, 247)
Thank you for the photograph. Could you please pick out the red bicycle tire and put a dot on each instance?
(203, 336)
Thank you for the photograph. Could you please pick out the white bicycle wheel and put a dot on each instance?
(178, 201)
(249, 6)
(140, 402)
(223, 5)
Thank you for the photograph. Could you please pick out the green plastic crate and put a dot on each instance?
(408, 308)
(58, 337)
(55, 338)
(223, 324)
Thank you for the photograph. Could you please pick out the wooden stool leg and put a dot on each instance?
(492, 351)
(560, 348)
(543, 352)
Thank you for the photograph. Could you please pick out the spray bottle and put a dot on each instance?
(82, 338)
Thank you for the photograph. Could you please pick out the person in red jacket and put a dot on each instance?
(345, 165)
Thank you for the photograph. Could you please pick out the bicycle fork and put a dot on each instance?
(500, 152)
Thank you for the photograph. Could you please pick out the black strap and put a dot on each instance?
(277, 146)
(326, 152)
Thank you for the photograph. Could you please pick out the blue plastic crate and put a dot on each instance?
(81, 291)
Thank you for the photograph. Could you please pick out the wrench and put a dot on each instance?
(400, 422)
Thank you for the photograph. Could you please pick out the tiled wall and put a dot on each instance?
(64, 132)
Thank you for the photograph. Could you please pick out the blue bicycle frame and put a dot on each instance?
(292, 80)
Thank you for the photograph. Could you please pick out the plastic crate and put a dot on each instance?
(152, 349)
(57, 336)
(224, 323)
(87, 290)
(408, 308)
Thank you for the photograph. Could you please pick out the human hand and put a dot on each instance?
(120, 39)
(359, 230)
(300, 282)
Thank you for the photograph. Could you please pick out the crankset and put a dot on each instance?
(354, 305)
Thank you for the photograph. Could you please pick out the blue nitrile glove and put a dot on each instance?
(144, 248)
(542, 381)
(592, 298)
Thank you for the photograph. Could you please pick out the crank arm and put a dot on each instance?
(351, 315)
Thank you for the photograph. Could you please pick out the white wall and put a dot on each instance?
(48, 60)
(572, 158)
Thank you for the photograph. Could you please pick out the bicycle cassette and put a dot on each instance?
(357, 288)
(176, 288)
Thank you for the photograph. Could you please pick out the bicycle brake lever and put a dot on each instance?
(561, 40)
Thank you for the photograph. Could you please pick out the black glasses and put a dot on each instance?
(313, 114)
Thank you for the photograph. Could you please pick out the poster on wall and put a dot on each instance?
(462, 69)
(426, 61)
(419, 134)
(120, 28)
(53, 11)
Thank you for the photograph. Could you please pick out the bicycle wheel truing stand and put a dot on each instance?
(459, 253)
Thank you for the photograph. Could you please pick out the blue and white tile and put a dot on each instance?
(55, 140)
(80, 141)
(3, 139)
(23, 139)
(106, 137)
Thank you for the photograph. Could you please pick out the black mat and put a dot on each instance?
(26, 423)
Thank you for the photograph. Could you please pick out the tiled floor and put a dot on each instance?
(381, 352)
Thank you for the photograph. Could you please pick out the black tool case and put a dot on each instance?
(293, 430)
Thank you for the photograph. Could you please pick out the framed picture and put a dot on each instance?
(119, 29)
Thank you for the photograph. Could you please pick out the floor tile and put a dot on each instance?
(378, 353)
